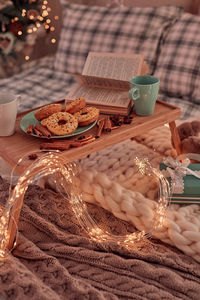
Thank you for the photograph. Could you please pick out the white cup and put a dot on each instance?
(8, 113)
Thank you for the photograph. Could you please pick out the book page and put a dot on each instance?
(99, 96)
(113, 65)
(93, 81)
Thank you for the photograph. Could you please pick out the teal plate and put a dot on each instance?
(30, 119)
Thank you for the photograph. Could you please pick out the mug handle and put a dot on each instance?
(134, 93)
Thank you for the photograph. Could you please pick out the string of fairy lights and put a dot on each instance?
(46, 9)
(42, 21)
(48, 22)
(64, 177)
(18, 34)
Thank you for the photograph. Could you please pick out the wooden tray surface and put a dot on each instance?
(21, 145)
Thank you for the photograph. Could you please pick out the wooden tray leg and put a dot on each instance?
(175, 137)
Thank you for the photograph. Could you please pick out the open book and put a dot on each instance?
(104, 81)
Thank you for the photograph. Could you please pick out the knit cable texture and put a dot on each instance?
(107, 179)
(55, 259)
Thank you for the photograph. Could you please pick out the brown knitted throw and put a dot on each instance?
(54, 260)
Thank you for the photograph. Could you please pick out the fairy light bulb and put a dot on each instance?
(45, 13)
(23, 12)
(40, 18)
(45, 9)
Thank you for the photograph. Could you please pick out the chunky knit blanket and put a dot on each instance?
(108, 179)
(54, 259)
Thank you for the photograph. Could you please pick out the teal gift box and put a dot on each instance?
(191, 189)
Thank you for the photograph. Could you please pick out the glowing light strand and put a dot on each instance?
(64, 177)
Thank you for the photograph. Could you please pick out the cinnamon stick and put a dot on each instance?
(88, 141)
(100, 127)
(65, 145)
(107, 124)
(44, 131)
(60, 145)
(29, 130)
(55, 146)
(84, 138)
(37, 132)
(114, 127)
(76, 144)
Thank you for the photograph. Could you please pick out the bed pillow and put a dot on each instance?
(120, 29)
(179, 61)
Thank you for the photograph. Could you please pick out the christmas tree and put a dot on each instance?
(20, 21)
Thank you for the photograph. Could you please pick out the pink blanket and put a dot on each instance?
(54, 260)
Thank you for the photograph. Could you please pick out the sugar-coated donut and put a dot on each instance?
(61, 123)
(75, 105)
(47, 110)
(87, 115)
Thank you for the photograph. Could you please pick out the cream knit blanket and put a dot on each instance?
(107, 179)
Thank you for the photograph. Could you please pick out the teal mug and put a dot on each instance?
(144, 91)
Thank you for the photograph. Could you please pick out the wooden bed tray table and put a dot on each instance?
(22, 145)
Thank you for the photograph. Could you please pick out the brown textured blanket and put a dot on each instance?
(54, 260)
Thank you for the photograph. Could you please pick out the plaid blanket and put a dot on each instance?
(189, 109)
(41, 84)
(38, 85)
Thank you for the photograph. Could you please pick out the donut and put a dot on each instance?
(87, 115)
(75, 105)
(47, 110)
(60, 123)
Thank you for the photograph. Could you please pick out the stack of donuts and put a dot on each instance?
(64, 121)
